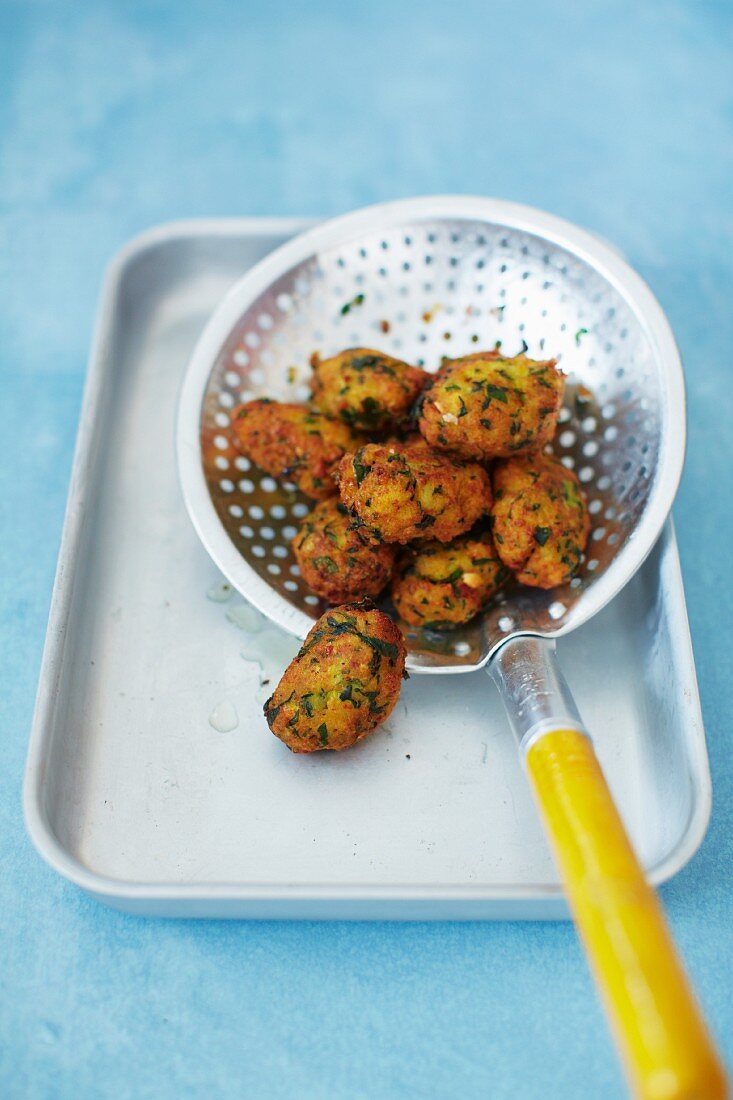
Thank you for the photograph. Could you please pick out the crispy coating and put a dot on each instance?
(295, 442)
(484, 406)
(399, 493)
(541, 520)
(343, 683)
(366, 389)
(438, 586)
(336, 563)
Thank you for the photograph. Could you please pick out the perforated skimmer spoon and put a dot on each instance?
(420, 279)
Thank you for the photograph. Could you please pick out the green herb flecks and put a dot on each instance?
(271, 712)
(325, 564)
(360, 470)
(348, 306)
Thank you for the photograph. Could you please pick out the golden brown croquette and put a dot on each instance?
(398, 492)
(540, 519)
(334, 561)
(366, 389)
(343, 683)
(294, 442)
(484, 406)
(440, 585)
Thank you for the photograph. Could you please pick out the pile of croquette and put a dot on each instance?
(435, 487)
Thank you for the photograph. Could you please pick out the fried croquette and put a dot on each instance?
(343, 683)
(334, 561)
(295, 442)
(442, 586)
(366, 389)
(398, 493)
(484, 406)
(540, 519)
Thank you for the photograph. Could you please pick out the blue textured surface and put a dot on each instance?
(115, 116)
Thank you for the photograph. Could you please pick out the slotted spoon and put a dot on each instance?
(421, 279)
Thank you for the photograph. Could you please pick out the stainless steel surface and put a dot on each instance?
(134, 796)
(479, 270)
(533, 689)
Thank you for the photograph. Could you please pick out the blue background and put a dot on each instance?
(115, 116)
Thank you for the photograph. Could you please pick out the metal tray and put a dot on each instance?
(133, 795)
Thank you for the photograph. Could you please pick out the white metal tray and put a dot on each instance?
(132, 794)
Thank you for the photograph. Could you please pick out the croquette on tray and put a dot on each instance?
(342, 684)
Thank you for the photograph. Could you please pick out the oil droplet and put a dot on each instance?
(272, 650)
(220, 592)
(245, 618)
(224, 717)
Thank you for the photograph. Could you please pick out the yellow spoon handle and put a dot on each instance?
(667, 1050)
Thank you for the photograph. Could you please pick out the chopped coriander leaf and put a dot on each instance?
(348, 306)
